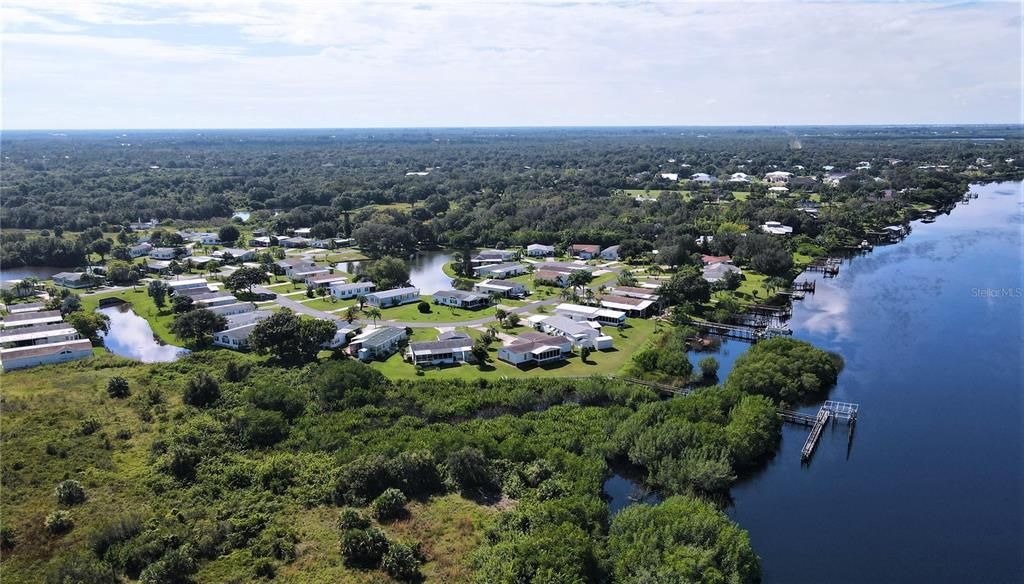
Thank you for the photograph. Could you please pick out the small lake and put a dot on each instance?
(41, 272)
(425, 270)
(131, 336)
(622, 490)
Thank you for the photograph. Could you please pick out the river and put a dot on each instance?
(931, 491)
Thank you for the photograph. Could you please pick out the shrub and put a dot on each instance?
(202, 390)
(349, 518)
(89, 426)
(423, 307)
(708, 367)
(389, 505)
(117, 387)
(114, 532)
(173, 568)
(234, 372)
(59, 521)
(264, 568)
(469, 469)
(8, 539)
(69, 492)
(402, 562)
(258, 428)
(79, 569)
(363, 548)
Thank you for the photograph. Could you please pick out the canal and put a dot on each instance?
(931, 491)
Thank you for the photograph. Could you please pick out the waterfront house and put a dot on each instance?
(635, 307)
(73, 279)
(500, 271)
(395, 297)
(537, 250)
(34, 355)
(455, 348)
(377, 342)
(532, 348)
(635, 292)
(461, 299)
(503, 288)
(31, 319)
(580, 334)
(343, 291)
(579, 312)
(40, 334)
(718, 272)
(291, 266)
(584, 251)
(25, 307)
(610, 253)
(493, 256)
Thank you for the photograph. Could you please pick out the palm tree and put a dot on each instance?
(362, 301)
(374, 313)
(565, 294)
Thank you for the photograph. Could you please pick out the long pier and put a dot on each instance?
(741, 332)
(830, 410)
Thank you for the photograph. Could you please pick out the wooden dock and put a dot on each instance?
(653, 385)
(741, 332)
(827, 266)
(830, 410)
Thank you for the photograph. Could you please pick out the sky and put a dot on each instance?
(84, 64)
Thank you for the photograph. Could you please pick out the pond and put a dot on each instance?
(425, 270)
(131, 336)
(41, 272)
(623, 489)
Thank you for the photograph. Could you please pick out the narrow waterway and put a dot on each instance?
(931, 489)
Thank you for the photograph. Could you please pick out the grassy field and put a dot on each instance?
(627, 343)
(324, 303)
(438, 313)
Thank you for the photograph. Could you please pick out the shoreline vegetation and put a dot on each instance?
(225, 466)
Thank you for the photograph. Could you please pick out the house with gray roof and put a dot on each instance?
(461, 299)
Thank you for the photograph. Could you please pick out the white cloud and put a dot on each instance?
(338, 64)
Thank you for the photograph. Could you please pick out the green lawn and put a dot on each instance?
(324, 303)
(410, 313)
(611, 362)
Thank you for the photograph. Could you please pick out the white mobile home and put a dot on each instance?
(395, 297)
(500, 271)
(34, 355)
(461, 299)
(377, 342)
(501, 288)
(26, 319)
(353, 290)
(579, 312)
(454, 349)
(535, 349)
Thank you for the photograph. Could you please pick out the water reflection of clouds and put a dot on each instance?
(131, 336)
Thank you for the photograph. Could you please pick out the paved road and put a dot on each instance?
(297, 306)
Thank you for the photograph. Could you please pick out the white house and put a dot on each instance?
(461, 299)
(31, 356)
(232, 309)
(43, 334)
(739, 177)
(776, 191)
(610, 253)
(672, 176)
(261, 241)
(25, 307)
(718, 272)
(141, 225)
(581, 334)
(176, 286)
(73, 279)
(325, 280)
(395, 297)
(454, 348)
(235, 254)
(203, 237)
(776, 228)
(579, 312)
(236, 338)
(532, 348)
(343, 291)
(500, 287)
(31, 319)
(500, 271)
(537, 250)
(634, 292)
(293, 265)
(703, 179)
(142, 249)
(341, 335)
(377, 342)
(778, 177)
(637, 307)
(294, 241)
(168, 253)
(493, 256)
(219, 298)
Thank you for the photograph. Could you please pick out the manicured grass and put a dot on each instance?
(438, 313)
(611, 362)
(159, 320)
(324, 303)
(741, 195)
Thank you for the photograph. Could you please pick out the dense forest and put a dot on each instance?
(491, 186)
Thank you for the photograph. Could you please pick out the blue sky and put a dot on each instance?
(71, 64)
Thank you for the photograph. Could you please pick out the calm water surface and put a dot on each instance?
(931, 491)
(131, 336)
(41, 272)
(425, 270)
